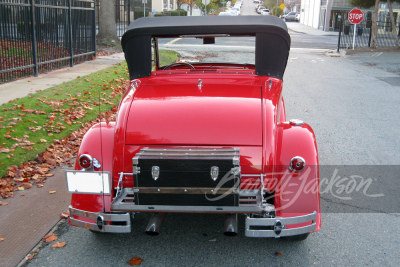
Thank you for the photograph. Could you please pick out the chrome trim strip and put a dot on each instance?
(107, 217)
(190, 150)
(192, 153)
(285, 232)
(106, 229)
(190, 209)
(184, 156)
(296, 122)
(250, 222)
(184, 190)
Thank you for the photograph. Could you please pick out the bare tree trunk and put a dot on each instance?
(107, 27)
(394, 28)
(374, 27)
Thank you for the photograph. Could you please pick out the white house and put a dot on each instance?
(324, 14)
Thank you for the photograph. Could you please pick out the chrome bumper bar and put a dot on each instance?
(277, 226)
(249, 202)
(103, 222)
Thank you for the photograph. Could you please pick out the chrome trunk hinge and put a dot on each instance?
(120, 185)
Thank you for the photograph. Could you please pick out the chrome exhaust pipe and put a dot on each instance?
(231, 224)
(154, 225)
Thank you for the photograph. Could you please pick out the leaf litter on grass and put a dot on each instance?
(44, 130)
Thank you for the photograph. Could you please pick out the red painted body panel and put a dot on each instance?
(97, 142)
(297, 193)
(224, 111)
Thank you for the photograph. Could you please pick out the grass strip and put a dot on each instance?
(29, 125)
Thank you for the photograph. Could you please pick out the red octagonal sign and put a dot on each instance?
(356, 16)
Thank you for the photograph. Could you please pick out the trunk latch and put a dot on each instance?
(155, 172)
(214, 173)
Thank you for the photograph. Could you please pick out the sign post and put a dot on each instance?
(144, 7)
(355, 17)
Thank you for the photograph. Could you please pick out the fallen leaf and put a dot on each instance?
(3, 204)
(59, 245)
(64, 215)
(4, 150)
(50, 238)
(1, 239)
(29, 257)
(278, 254)
(135, 261)
(26, 185)
(39, 185)
(52, 192)
(43, 140)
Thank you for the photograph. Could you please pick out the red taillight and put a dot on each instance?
(297, 164)
(85, 161)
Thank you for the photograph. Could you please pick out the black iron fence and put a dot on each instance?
(385, 37)
(41, 35)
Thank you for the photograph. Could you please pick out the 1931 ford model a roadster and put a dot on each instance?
(201, 135)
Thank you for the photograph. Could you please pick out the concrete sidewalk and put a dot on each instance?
(301, 28)
(23, 87)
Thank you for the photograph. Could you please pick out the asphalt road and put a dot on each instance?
(354, 113)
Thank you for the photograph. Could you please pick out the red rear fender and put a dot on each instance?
(297, 192)
(98, 143)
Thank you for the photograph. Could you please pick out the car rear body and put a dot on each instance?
(201, 136)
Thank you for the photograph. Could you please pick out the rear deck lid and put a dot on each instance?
(184, 113)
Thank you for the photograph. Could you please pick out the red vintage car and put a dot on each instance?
(204, 134)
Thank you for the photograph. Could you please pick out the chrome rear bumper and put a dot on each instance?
(103, 222)
(276, 227)
(255, 227)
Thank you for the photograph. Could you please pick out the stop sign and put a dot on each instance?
(356, 16)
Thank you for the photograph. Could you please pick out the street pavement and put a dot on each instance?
(26, 219)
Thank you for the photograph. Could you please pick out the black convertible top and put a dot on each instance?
(272, 39)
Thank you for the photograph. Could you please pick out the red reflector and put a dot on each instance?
(85, 161)
(297, 164)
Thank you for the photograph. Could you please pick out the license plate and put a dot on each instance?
(83, 182)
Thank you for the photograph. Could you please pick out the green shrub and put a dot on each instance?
(182, 12)
(279, 13)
